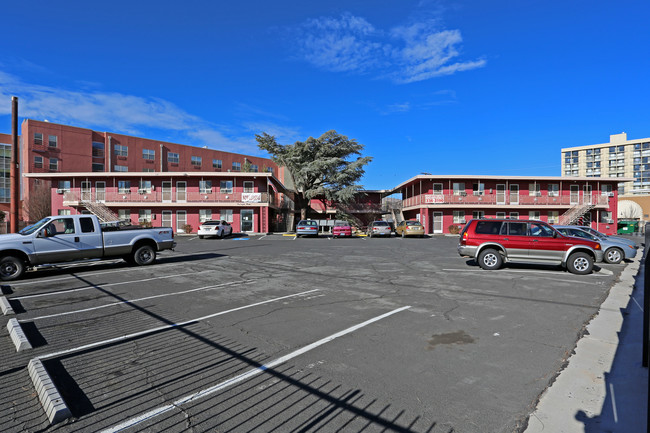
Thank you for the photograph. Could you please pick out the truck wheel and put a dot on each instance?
(11, 268)
(580, 263)
(144, 255)
(613, 256)
(490, 259)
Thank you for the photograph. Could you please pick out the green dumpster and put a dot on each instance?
(627, 227)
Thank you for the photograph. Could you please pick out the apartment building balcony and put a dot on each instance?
(496, 200)
(350, 208)
(165, 199)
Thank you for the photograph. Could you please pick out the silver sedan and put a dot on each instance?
(614, 249)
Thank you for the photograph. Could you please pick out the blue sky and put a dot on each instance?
(444, 87)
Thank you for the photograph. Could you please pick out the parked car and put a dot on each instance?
(219, 229)
(379, 228)
(341, 229)
(614, 250)
(493, 242)
(307, 228)
(604, 236)
(409, 228)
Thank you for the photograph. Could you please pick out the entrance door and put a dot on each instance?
(501, 194)
(181, 221)
(181, 192)
(100, 191)
(166, 218)
(246, 220)
(437, 222)
(575, 194)
(587, 194)
(85, 190)
(514, 194)
(166, 191)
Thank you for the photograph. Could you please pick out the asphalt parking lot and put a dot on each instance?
(273, 333)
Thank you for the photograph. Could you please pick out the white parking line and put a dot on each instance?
(601, 272)
(131, 301)
(160, 328)
(62, 292)
(244, 376)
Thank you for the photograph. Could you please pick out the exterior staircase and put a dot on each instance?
(100, 210)
(572, 215)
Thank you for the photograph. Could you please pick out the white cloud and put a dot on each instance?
(405, 54)
(121, 113)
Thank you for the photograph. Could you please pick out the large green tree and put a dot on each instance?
(328, 166)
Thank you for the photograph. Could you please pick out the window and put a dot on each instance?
(38, 138)
(553, 217)
(145, 187)
(52, 140)
(144, 215)
(514, 215)
(437, 188)
(124, 186)
(534, 190)
(61, 226)
(488, 227)
(226, 187)
(606, 217)
(64, 186)
(124, 214)
(254, 168)
(98, 167)
(148, 154)
(501, 215)
(120, 168)
(553, 190)
(196, 161)
(205, 186)
(607, 190)
(87, 225)
(478, 188)
(459, 216)
(478, 214)
(236, 166)
(173, 158)
(459, 188)
(518, 229)
(534, 215)
(98, 149)
(269, 169)
(541, 230)
(148, 170)
(38, 162)
(64, 212)
(205, 215)
(121, 150)
(54, 164)
(249, 186)
(216, 163)
(226, 215)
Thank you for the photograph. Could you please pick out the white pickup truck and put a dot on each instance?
(57, 239)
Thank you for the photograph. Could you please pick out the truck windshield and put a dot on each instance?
(34, 227)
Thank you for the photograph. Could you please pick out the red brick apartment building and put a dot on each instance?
(445, 203)
(145, 180)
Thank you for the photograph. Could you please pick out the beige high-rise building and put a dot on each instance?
(618, 158)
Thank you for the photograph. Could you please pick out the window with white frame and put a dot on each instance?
(459, 216)
(236, 166)
(124, 214)
(64, 212)
(121, 150)
(606, 217)
(196, 161)
(173, 158)
(534, 215)
(478, 188)
(52, 140)
(205, 186)
(478, 214)
(64, 186)
(54, 164)
(607, 189)
(226, 187)
(149, 154)
(437, 188)
(205, 215)
(249, 186)
(124, 186)
(121, 168)
(38, 162)
(38, 138)
(514, 215)
(145, 187)
(216, 163)
(553, 217)
(534, 190)
(226, 215)
(553, 190)
(501, 215)
(144, 215)
(459, 188)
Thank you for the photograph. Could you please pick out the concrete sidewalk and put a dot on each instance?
(603, 388)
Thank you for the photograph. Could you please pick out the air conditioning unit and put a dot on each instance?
(608, 221)
(610, 194)
(142, 191)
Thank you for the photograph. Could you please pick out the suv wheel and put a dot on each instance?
(490, 259)
(580, 263)
(613, 256)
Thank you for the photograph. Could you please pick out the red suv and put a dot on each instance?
(492, 242)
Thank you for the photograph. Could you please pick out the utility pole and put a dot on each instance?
(15, 168)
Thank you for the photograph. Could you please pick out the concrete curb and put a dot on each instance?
(49, 396)
(18, 336)
(6, 306)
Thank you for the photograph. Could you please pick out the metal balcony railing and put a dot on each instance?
(506, 199)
